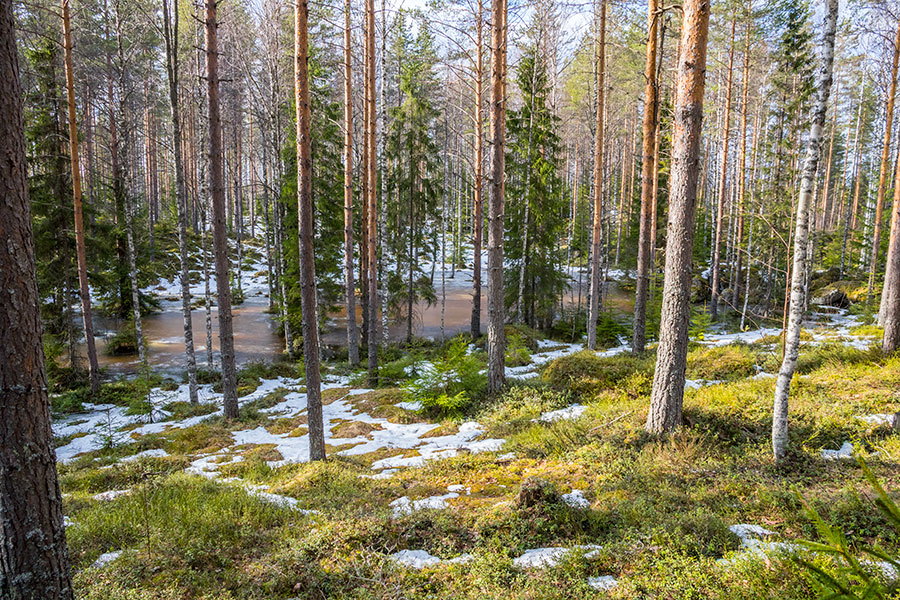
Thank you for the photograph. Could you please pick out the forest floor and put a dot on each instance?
(552, 490)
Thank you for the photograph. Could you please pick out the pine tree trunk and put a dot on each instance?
(826, 192)
(850, 214)
(382, 174)
(742, 164)
(723, 178)
(651, 94)
(305, 232)
(34, 561)
(594, 307)
(349, 284)
(220, 235)
(798, 289)
(496, 317)
(80, 251)
(371, 199)
(477, 201)
(883, 172)
(668, 381)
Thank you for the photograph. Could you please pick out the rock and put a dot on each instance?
(536, 491)
(699, 290)
(833, 297)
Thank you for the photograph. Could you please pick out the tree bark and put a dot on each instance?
(742, 164)
(170, 33)
(34, 561)
(798, 288)
(890, 299)
(220, 235)
(496, 317)
(883, 171)
(651, 98)
(723, 179)
(477, 201)
(596, 224)
(80, 252)
(371, 199)
(305, 231)
(668, 381)
(349, 284)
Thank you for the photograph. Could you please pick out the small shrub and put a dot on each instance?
(123, 342)
(586, 373)
(446, 387)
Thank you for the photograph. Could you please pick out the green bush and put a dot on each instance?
(721, 362)
(123, 342)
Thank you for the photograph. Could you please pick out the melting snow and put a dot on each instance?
(845, 451)
(154, 453)
(419, 559)
(878, 419)
(538, 558)
(105, 559)
(110, 495)
(576, 499)
(573, 411)
(603, 583)
(405, 506)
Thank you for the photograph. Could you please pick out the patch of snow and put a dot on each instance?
(878, 419)
(603, 583)
(110, 495)
(415, 559)
(386, 474)
(458, 488)
(539, 558)
(413, 405)
(844, 452)
(462, 559)
(105, 559)
(748, 531)
(696, 384)
(576, 499)
(67, 522)
(573, 411)
(154, 453)
(405, 506)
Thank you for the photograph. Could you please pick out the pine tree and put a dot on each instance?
(534, 223)
(34, 561)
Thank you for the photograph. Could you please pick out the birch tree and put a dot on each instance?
(596, 233)
(801, 235)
